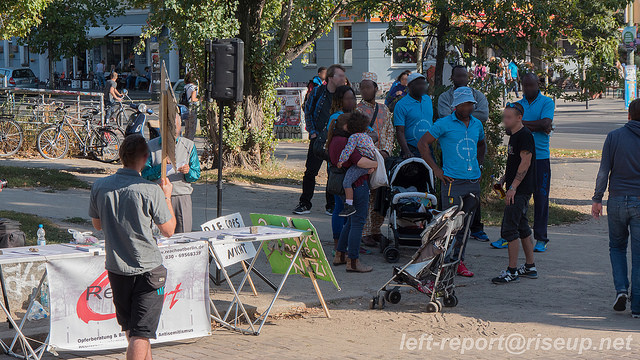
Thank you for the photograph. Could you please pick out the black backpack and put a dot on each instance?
(184, 100)
(10, 234)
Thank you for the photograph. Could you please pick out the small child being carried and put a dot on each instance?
(358, 126)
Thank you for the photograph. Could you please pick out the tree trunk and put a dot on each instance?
(52, 68)
(441, 49)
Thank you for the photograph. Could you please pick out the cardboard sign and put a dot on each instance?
(230, 253)
(280, 252)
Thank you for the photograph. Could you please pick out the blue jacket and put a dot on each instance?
(317, 99)
(620, 164)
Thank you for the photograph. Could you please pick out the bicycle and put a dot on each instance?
(103, 143)
(119, 116)
(10, 136)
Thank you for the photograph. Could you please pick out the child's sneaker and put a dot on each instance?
(506, 277)
(531, 273)
(348, 210)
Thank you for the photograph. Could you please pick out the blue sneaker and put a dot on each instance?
(500, 244)
(480, 236)
(541, 246)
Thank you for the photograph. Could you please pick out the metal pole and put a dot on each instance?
(630, 54)
(219, 204)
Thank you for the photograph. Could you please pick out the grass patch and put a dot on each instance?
(19, 177)
(294, 141)
(572, 153)
(271, 173)
(29, 225)
(493, 209)
(76, 220)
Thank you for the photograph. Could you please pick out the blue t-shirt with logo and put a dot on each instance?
(459, 145)
(416, 117)
(540, 108)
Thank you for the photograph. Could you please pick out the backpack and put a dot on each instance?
(10, 234)
(184, 100)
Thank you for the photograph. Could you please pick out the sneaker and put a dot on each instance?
(531, 273)
(635, 315)
(463, 271)
(541, 246)
(621, 302)
(500, 244)
(302, 209)
(505, 278)
(328, 211)
(480, 236)
(348, 210)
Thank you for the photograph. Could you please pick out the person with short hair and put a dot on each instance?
(130, 81)
(124, 206)
(620, 168)
(520, 181)
(413, 116)
(398, 90)
(191, 92)
(460, 78)
(181, 175)
(143, 79)
(461, 138)
(318, 80)
(111, 95)
(317, 113)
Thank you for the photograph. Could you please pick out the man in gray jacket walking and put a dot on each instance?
(620, 167)
(181, 175)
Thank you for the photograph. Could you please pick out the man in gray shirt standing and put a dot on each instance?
(620, 167)
(124, 206)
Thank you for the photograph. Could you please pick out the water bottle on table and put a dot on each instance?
(41, 240)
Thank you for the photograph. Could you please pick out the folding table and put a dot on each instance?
(238, 236)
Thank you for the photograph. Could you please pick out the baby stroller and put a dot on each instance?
(432, 269)
(409, 199)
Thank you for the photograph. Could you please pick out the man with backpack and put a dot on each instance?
(317, 112)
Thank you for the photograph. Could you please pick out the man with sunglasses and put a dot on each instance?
(520, 181)
(538, 118)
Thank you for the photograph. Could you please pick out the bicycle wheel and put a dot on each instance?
(105, 145)
(53, 143)
(10, 137)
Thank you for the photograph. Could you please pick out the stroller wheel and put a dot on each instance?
(433, 307)
(391, 254)
(450, 301)
(394, 296)
(373, 302)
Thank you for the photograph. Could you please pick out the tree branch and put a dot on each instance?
(285, 24)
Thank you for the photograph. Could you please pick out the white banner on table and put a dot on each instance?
(230, 253)
(82, 312)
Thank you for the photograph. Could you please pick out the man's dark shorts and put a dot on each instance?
(138, 304)
(515, 224)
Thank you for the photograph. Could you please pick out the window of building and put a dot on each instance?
(309, 58)
(345, 51)
(405, 48)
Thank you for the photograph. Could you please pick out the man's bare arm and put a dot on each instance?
(482, 150)
(97, 224)
(523, 168)
(543, 125)
(402, 140)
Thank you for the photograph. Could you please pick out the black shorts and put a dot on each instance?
(138, 304)
(515, 224)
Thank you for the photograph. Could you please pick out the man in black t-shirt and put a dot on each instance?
(520, 181)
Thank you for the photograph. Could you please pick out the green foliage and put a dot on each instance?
(18, 17)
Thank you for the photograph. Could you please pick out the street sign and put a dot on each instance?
(629, 37)
(630, 86)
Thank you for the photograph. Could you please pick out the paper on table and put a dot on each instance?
(170, 170)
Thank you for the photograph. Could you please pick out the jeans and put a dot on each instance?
(351, 235)
(624, 220)
(108, 110)
(100, 77)
(337, 221)
(131, 80)
(140, 80)
(312, 167)
(541, 200)
(477, 225)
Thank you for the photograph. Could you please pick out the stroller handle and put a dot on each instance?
(397, 197)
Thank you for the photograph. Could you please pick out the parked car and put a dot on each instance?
(178, 88)
(20, 77)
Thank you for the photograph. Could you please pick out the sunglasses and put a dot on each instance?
(513, 106)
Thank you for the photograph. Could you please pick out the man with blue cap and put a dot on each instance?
(413, 116)
(461, 138)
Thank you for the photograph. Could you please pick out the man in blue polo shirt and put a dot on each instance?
(461, 138)
(413, 116)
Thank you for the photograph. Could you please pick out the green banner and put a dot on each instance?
(280, 252)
